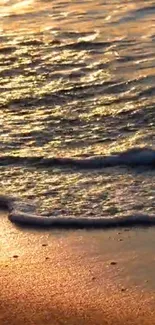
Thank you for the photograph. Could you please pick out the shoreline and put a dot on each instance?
(76, 277)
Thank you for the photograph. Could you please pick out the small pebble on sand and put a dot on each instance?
(113, 263)
(15, 256)
(123, 289)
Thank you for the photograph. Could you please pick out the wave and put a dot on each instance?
(24, 214)
(133, 157)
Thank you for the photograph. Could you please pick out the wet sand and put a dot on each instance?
(76, 277)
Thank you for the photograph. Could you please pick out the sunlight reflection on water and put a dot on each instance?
(77, 78)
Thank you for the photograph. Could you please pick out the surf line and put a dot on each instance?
(133, 157)
(24, 214)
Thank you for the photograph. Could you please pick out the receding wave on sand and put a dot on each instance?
(25, 213)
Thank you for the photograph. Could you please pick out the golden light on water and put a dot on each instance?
(73, 76)
(23, 16)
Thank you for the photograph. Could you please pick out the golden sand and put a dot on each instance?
(76, 277)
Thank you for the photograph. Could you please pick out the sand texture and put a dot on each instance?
(76, 277)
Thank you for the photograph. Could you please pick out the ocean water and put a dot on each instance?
(77, 79)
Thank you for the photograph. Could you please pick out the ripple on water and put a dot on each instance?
(77, 80)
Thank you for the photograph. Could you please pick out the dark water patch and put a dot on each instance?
(83, 45)
(137, 14)
(147, 92)
(7, 61)
(7, 50)
(134, 157)
(31, 42)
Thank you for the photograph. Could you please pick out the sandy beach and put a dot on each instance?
(76, 277)
(77, 86)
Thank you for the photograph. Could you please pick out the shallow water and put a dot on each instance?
(77, 79)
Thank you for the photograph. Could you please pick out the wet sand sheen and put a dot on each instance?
(76, 277)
